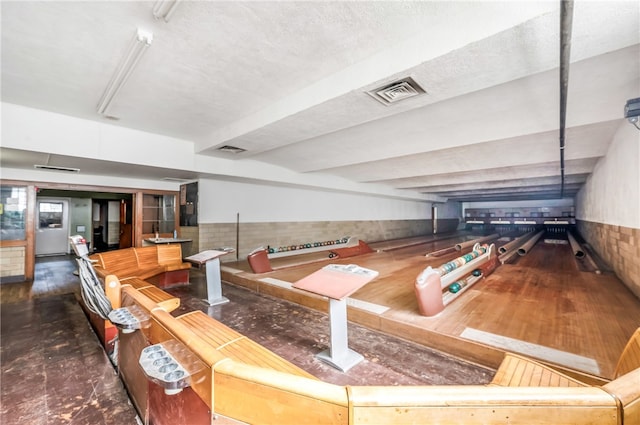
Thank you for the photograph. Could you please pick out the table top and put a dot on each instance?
(210, 254)
(336, 281)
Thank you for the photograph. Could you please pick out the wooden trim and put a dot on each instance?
(137, 218)
(30, 233)
(9, 244)
(626, 391)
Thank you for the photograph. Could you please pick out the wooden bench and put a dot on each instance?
(626, 390)
(161, 265)
(630, 357)
(246, 382)
(236, 346)
(155, 297)
(147, 295)
(519, 371)
(480, 405)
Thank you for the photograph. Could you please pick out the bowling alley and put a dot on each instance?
(320, 212)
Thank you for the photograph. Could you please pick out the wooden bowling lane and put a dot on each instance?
(429, 245)
(394, 244)
(540, 304)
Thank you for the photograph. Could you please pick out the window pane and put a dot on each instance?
(13, 206)
(50, 215)
(158, 214)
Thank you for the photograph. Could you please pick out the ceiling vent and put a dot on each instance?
(54, 168)
(175, 179)
(231, 149)
(395, 92)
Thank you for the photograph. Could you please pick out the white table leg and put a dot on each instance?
(214, 284)
(339, 355)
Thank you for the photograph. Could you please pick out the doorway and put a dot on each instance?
(112, 223)
(52, 226)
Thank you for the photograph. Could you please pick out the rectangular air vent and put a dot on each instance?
(54, 168)
(395, 92)
(175, 179)
(231, 149)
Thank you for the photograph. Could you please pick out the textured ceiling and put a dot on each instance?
(287, 82)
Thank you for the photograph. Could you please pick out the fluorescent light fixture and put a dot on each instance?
(138, 46)
(500, 222)
(56, 168)
(475, 222)
(163, 9)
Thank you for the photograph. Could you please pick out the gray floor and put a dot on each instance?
(297, 333)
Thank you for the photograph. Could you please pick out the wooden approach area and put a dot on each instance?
(542, 305)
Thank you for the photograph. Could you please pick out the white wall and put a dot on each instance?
(36, 130)
(85, 179)
(611, 194)
(450, 209)
(220, 201)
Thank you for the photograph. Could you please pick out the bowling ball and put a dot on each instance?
(476, 272)
(271, 250)
(454, 287)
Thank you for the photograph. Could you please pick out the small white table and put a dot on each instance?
(211, 260)
(337, 282)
